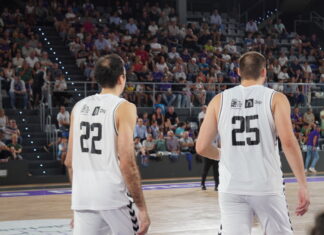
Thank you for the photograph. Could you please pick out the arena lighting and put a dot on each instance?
(62, 67)
(28, 135)
(23, 119)
(48, 43)
(44, 172)
(72, 83)
(66, 72)
(69, 79)
(51, 48)
(40, 165)
(60, 62)
(20, 112)
(39, 29)
(26, 128)
(43, 34)
(56, 58)
(35, 150)
(45, 39)
(31, 142)
(75, 89)
(79, 94)
(54, 52)
(38, 156)
(100, 20)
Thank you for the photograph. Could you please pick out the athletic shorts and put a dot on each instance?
(122, 221)
(237, 213)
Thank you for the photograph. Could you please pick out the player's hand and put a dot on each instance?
(144, 222)
(72, 222)
(303, 201)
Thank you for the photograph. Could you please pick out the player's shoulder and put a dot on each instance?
(126, 105)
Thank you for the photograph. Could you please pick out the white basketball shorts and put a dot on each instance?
(121, 221)
(237, 213)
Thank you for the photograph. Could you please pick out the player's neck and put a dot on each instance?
(113, 91)
(251, 82)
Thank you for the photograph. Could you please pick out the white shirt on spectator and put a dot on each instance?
(173, 55)
(70, 15)
(283, 60)
(251, 27)
(153, 29)
(161, 67)
(13, 85)
(306, 68)
(201, 116)
(60, 85)
(216, 19)
(31, 62)
(283, 76)
(102, 44)
(296, 42)
(18, 62)
(63, 117)
(115, 20)
(231, 48)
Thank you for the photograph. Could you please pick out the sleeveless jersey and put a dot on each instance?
(250, 162)
(97, 180)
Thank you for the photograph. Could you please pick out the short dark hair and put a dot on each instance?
(108, 69)
(251, 65)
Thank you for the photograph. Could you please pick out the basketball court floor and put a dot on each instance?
(176, 207)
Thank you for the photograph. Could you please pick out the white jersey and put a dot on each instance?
(97, 180)
(250, 162)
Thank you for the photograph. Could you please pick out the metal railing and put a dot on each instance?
(317, 19)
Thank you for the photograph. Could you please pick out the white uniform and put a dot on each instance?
(250, 170)
(99, 193)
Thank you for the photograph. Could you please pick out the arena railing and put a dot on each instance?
(79, 90)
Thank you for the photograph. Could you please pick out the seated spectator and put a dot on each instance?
(18, 88)
(154, 129)
(140, 130)
(283, 59)
(231, 48)
(297, 118)
(312, 149)
(173, 145)
(149, 145)
(32, 59)
(131, 27)
(5, 151)
(18, 61)
(193, 69)
(171, 118)
(59, 94)
(190, 40)
(296, 43)
(160, 143)
(251, 27)
(180, 129)
(202, 114)
(187, 147)
(63, 120)
(283, 75)
(309, 117)
(15, 148)
(102, 45)
(322, 122)
(280, 27)
(3, 119)
(139, 149)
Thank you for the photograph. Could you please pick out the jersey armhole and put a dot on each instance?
(114, 117)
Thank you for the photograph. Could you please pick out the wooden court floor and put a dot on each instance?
(173, 211)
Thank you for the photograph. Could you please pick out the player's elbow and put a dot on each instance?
(201, 147)
(289, 143)
(68, 163)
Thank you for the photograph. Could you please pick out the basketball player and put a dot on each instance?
(248, 118)
(101, 159)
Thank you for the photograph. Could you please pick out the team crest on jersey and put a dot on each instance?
(85, 109)
(249, 103)
(236, 104)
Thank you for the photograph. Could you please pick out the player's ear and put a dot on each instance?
(264, 72)
(122, 79)
(239, 72)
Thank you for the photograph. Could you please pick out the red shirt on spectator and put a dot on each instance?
(143, 54)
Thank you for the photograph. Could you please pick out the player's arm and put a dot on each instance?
(68, 160)
(208, 131)
(281, 113)
(125, 120)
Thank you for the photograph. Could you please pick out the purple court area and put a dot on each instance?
(45, 192)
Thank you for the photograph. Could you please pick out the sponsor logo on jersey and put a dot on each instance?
(85, 109)
(249, 103)
(96, 111)
(235, 103)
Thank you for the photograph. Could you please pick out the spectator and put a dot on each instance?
(32, 59)
(10, 130)
(216, 19)
(3, 119)
(309, 117)
(186, 147)
(131, 27)
(283, 75)
(312, 149)
(102, 45)
(160, 143)
(5, 151)
(59, 94)
(139, 149)
(280, 27)
(322, 122)
(63, 120)
(173, 145)
(171, 118)
(15, 148)
(251, 27)
(18, 88)
(180, 129)
(202, 114)
(149, 145)
(140, 130)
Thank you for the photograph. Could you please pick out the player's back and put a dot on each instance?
(97, 180)
(250, 161)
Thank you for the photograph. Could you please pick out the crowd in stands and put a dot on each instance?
(189, 64)
(10, 139)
